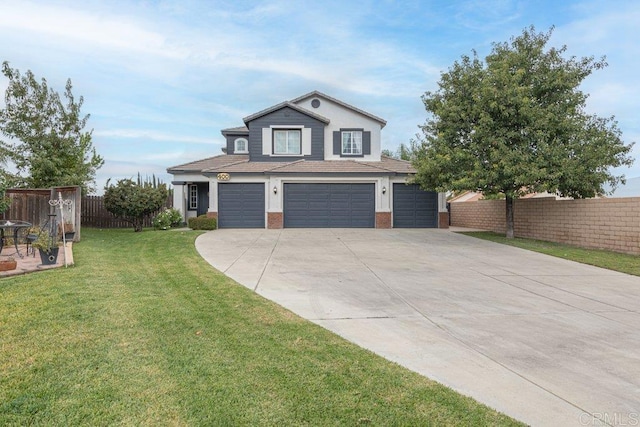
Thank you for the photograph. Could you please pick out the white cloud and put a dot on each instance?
(115, 31)
(151, 135)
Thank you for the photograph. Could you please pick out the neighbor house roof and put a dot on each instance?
(474, 196)
(316, 93)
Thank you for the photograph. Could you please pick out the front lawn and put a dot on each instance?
(623, 263)
(142, 331)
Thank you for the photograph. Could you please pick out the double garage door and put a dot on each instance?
(242, 205)
(329, 205)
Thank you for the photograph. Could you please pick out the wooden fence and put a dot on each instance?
(32, 205)
(94, 214)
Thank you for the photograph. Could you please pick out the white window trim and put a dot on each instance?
(235, 146)
(192, 202)
(342, 133)
(287, 153)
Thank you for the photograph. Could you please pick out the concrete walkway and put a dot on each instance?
(547, 341)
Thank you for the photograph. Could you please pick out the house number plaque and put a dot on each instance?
(223, 176)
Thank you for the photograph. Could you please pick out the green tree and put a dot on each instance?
(403, 152)
(516, 124)
(5, 202)
(134, 201)
(46, 140)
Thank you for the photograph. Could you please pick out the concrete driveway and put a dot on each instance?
(547, 341)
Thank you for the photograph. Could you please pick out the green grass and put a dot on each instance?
(623, 263)
(143, 332)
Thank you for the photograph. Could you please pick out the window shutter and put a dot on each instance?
(306, 141)
(366, 142)
(266, 141)
(337, 142)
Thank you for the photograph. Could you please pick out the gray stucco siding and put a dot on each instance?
(285, 117)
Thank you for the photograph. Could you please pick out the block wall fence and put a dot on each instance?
(612, 224)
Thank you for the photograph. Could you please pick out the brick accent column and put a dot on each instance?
(443, 219)
(212, 215)
(383, 219)
(274, 220)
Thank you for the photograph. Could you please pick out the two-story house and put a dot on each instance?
(314, 161)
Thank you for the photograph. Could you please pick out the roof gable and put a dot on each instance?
(284, 105)
(319, 94)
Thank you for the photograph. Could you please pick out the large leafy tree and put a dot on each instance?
(515, 123)
(45, 136)
(134, 201)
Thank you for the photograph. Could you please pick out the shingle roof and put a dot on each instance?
(395, 165)
(208, 163)
(237, 163)
(247, 167)
(239, 129)
(329, 166)
(337, 101)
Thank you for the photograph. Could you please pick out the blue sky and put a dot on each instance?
(161, 78)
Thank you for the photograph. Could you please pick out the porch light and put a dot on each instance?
(384, 190)
(275, 190)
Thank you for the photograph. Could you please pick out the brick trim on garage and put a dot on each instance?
(275, 220)
(383, 219)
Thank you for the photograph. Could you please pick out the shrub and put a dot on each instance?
(167, 218)
(203, 223)
(134, 201)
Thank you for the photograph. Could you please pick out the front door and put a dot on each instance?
(203, 198)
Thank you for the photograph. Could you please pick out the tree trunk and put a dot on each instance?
(509, 205)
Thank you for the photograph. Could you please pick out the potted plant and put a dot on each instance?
(8, 263)
(68, 230)
(47, 245)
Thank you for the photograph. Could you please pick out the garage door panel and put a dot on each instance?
(241, 205)
(329, 205)
(414, 207)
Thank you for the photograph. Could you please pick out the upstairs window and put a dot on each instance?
(241, 146)
(352, 142)
(286, 141)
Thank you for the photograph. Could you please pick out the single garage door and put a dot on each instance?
(413, 207)
(241, 205)
(329, 205)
